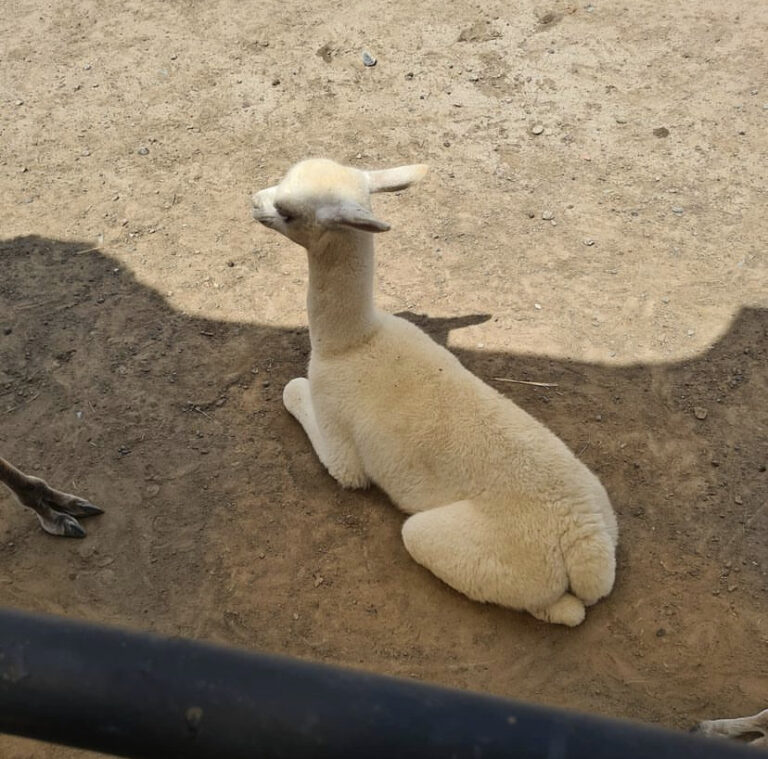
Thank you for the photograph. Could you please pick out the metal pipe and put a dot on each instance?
(138, 695)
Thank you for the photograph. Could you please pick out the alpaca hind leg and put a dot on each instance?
(338, 455)
(567, 610)
(464, 548)
(590, 558)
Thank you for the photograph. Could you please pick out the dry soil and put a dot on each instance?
(595, 217)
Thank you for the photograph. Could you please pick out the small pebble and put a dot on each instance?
(368, 59)
(738, 499)
(589, 242)
(275, 82)
(143, 151)
(7, 330)
(548, 215)
(537, 129)
(661, 132)
(677, 209)
(621, 119)
(87, 67)
(86, 153)
(661, 632)
(665, 299)
(691, 332)
(699, 412)
(537, 306)
(19, 102)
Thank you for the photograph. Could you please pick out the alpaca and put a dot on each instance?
(753, 730)
(501, 510)
(55, 510)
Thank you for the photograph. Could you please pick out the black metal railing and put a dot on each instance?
(138, 695)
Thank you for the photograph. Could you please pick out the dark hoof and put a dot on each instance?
(65, 503)
(82, 508)
(62, 525)
(73, 530)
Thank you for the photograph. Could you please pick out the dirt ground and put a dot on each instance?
(595, 217)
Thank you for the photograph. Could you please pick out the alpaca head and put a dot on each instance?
(318, 195)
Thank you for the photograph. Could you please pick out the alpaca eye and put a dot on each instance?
(286, 216)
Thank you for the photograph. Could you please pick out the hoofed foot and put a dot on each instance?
(61, 524)
(72, 504)
(58, 511)
(752, 730)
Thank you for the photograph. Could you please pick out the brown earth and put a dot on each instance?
(147, 326)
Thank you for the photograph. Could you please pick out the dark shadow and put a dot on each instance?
(439, 329)
(221, 523)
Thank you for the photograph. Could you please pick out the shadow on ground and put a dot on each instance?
(221, 524)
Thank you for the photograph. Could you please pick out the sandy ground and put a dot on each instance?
(147, 325)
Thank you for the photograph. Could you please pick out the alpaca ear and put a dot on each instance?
(391, 180)
(350, 214)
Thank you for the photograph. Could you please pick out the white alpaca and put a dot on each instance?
(502, 510)
(752, 730)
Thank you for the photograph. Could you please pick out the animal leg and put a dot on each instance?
(567, 610)
(753, 730)
(56, 510)
(337, 454)
(472, 553)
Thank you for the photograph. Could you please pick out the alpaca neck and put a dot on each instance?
(340, 297)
